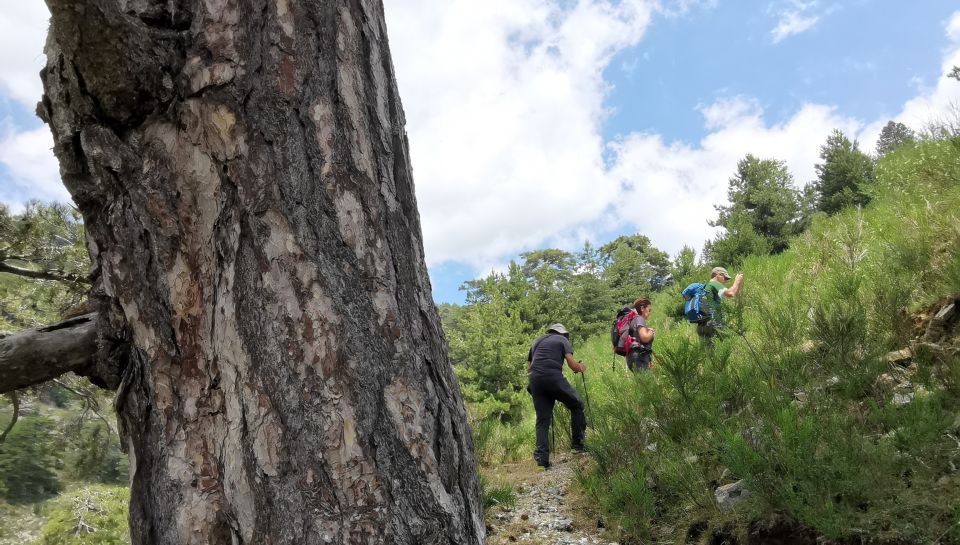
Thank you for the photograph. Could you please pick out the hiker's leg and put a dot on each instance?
(567, 395)
(543, 404)
(643, 360)
(706, 331)
(632, 359)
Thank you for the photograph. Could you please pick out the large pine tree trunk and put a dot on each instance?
(243, 173)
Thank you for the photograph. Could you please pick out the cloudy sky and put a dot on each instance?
(544, 123)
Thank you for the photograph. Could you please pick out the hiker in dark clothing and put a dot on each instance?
(716, 291)
(641, 349)
(546, 384)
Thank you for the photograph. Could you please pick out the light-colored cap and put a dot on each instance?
(557, 328)
(720, 270)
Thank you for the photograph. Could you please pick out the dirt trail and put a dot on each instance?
(545, 511)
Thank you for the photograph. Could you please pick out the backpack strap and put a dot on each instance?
(628, 338)
(533, 349)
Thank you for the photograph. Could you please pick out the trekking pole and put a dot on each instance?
(586, 395)
(553, 432)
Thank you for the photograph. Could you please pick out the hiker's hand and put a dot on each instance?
(582, 367)
(739, 276)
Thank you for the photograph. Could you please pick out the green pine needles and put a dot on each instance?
(798, 402)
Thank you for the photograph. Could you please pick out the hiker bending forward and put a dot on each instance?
(641, 347)
(546, 383)
(716, 291)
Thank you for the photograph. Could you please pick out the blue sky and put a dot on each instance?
(542, 123)
(866, 58)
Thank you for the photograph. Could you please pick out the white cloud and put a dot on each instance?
(23, 28)
(727, 110)
(953, 27)
(31, 167)
(504, 103)
(673, 187)
(795, 17)
(944, 97)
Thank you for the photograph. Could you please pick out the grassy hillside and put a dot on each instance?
(799, 404)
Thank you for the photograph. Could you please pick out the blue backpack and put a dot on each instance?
(694, 297)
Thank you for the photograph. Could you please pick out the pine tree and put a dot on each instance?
(893, 135)
(633, 266)
(845, 175)
(764, 212)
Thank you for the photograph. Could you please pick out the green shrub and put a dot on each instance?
(496, 494)
(789, 400)
(27, 462)
(92, 515)
(495, 442)
(625, 497)
(97, 456)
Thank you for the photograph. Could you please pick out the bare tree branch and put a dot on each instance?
(90, 403)
(14, 417)
(37, 355)
(58, 276)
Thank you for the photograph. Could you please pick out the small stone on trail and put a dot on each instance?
(730, 494)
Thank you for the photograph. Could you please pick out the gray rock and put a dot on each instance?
(729, 495)
(900, 399)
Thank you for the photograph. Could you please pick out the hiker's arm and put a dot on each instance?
(574, 364)
(732, 290)
(645, 334)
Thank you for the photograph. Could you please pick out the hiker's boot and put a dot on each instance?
(542, 464)
(580, 449)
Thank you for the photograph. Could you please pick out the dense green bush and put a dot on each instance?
(92, 515)
(792, 400)
(27, 461)
(97, 456)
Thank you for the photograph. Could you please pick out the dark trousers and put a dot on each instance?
(546, 391)
(638, 359)
(707, 331)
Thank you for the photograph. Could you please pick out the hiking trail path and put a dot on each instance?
(545, 511)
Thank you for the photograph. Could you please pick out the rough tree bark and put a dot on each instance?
(37, 355)
(242, 170)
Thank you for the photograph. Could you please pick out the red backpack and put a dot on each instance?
(620, 334)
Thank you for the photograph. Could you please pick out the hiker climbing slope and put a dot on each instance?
(635, 337)
(547, 385)
(715, 292)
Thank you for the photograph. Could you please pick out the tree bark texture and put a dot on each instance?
(37, 355)
(243, 173)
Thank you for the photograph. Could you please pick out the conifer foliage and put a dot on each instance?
(845, 176)
(894, 135)
(765, 210)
